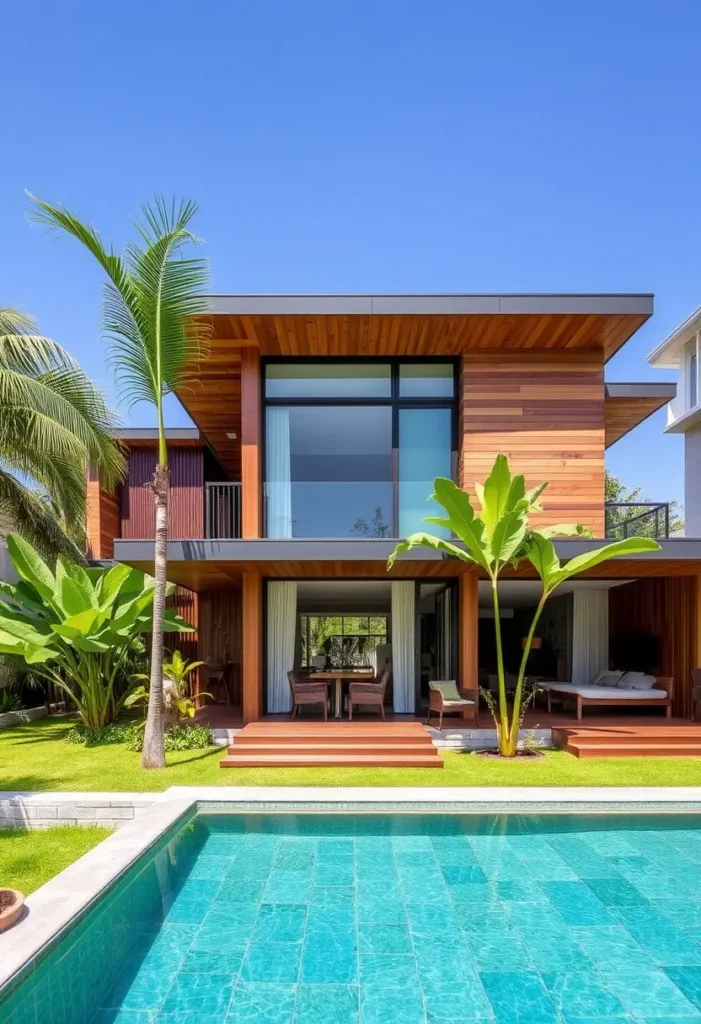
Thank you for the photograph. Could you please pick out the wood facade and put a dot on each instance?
(545, 411)
(102, 519)
(186, 507)
(666, 608)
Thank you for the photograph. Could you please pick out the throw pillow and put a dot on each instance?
(642, 682)
(609, 677)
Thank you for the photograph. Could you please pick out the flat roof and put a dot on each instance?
(664, 390)
(668, 352)
(574, 303)
(151, 434)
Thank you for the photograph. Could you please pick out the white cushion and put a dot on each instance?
(609, 677)
(607, 692)
(636, 681)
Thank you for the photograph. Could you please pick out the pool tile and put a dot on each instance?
(287, 887)
(581, 994)
(200, 993)
(201, 962)
(262, 1004)
(611, 944)
(214, 867)
(666, 944)
(141, 991)
(461, 1000)
(521, 891)
(616, 892)
(328, 958)
(331, 896)
(272, 962)
(433, 922)
(684, 913)
(239, 892)
(460, 874)
(519, 995)
(342, 917)
(383, 938)
(577, 903)
(333, 873)
(390, 991)
(471, 892)
(688, 980)
(186, 1018)
(647, 993)
(111, 1017)
(554, 950)
(280, 923)
(327, 1004)
(388, 911)
(508, 953)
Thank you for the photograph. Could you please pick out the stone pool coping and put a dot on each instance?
(52, 909)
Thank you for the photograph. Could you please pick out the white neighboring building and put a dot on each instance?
(681, 351)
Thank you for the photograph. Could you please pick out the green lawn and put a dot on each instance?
(28, 859)
(35, 756)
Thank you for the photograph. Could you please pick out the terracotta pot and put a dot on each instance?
(11, 914)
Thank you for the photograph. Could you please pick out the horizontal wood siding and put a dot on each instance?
(666, 608)
(186, 513)
(545, 411)
(102, 518)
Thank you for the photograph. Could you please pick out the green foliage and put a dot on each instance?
(178, 704)
(9, 701)
(54, 422)
(503, 535)
(82, 735)
(178, 737)
(78, 628)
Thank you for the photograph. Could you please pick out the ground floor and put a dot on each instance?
(258, 627)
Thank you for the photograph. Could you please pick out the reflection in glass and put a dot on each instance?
(328, 380)
(329, 471)
(425, 452)
(426, 380)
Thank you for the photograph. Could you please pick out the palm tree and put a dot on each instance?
(152, 312)
(53, 422)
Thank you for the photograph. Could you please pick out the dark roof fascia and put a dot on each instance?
(664, 390)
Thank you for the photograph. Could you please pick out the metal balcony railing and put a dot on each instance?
(222, 511)
(637, 519)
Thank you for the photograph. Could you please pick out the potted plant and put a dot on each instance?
(11, 906)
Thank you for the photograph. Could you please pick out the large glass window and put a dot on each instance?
(328, 380)
(341, 641)
(329, 471)
(424, 453)
(352, 449)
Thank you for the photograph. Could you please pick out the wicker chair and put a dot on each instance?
(446, 699)
(368, 692)
(308, 691)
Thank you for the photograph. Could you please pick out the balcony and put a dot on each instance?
(222, 511)
(637, 519)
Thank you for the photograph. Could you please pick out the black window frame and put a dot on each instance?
(394, 401)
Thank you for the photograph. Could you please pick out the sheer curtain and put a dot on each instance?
(590, 635)
(403, 664)
(282, 627)
(279, 472)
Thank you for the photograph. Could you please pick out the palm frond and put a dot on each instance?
(35, 520)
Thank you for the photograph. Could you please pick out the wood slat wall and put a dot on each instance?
(669, 609)
(545, 411)
(102, 518)
(186, 513)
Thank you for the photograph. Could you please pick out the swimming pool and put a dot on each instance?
(372, 919)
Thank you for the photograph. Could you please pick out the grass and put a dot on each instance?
(28, 859)
(35, 757)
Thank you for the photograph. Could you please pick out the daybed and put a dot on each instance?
(659, 695)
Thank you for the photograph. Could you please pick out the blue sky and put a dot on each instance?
(370, 145)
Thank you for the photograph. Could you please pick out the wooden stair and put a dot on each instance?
(332, 744)
(629, 741)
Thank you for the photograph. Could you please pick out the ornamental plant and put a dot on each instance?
(78, 627)
(502, 536)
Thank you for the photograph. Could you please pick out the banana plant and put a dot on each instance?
(502, 536)
(76, 627)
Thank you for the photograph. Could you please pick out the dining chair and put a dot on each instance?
(308, 691)
(368, 692)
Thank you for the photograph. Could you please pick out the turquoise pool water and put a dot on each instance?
(389, 920)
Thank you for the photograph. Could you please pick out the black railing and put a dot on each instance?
(637, 519)
(222, 511)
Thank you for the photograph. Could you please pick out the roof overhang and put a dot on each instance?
(201, 564)
(142, 437)
(670, 352)
(628, 405)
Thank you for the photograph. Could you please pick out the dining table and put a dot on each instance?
(338, 677)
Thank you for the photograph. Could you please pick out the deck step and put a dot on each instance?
(333, 743)
(330, 760)
(659, 749)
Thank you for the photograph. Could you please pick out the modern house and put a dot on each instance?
(321, 422)
(680, 351)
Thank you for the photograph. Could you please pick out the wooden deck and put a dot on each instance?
(310, 744)
(668, 739)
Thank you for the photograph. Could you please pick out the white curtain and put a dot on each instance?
(590, 635)
(403, 662)
(279, 472)
(282, 627)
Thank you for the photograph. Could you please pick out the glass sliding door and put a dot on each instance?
(425, 452)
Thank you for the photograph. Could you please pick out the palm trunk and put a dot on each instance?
(153, 755)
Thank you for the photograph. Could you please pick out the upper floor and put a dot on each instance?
(680, 351)
(329, 416)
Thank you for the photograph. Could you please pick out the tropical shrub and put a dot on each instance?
(503, 535)
(79, 627)
(82, 735)
(9, 700)
(177, 737)
(177, 703)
